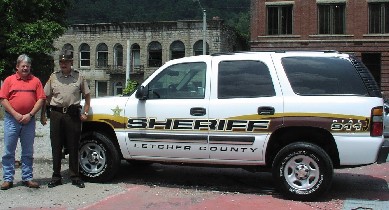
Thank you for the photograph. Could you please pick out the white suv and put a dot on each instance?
(296, 114)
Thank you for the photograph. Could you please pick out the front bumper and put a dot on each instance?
(383, 153)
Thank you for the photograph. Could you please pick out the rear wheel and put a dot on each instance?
(99, 158)
(302, 171)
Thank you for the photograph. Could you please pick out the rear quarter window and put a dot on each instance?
(323, 76)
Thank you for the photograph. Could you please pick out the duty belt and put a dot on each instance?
(73, 109)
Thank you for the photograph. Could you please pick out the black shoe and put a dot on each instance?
(79, 183)
(54, 183)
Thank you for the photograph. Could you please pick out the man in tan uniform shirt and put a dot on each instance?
(63, 91)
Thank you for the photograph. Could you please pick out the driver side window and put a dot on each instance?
(180, 81)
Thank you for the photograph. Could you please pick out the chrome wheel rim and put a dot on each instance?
(302, 172)
(92, 158)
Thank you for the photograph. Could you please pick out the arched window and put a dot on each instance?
(118, 55)
(177, 50)
(102, 55)
(198, 48)
(84, 55)
(135, 57)
(155, 54)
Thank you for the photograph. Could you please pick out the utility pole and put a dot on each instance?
(204, 31)
(128, 62)
(204, 27)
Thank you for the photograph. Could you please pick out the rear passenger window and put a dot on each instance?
(244, 79)
(323, 76)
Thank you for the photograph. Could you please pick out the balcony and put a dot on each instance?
(140, 69)
(113, 69)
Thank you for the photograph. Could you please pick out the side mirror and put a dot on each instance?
(141, 93)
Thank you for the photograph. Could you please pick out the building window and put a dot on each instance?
(177, 50)
(331, 18)
(84, 55)
(136, 66)
(102, 55)
(279, 19)
(135, 52)
(198, 48)
(155, 54)
(101, 88)
(118, 55)
(378, 18)
(118, 88)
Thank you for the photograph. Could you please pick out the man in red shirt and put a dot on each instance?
(22, 96)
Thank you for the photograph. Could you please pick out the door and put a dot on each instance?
(246, 105)
(172, 122)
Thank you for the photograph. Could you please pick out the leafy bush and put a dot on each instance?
(131, 87)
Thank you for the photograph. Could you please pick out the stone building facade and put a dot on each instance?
(359, 27)
(100, 50)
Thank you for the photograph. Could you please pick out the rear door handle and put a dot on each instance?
(266, 110)
(197, 111)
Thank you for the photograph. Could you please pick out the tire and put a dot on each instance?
(99, 158)
(302, 171)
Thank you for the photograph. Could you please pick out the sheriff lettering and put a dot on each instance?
(199, 124)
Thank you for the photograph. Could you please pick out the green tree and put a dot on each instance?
(30, 27)
(130, 88)
(234, 12)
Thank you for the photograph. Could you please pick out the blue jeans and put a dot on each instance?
(13, 130)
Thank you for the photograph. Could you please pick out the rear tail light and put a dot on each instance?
(377, 121)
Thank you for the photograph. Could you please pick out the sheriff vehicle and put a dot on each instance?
(297, 114)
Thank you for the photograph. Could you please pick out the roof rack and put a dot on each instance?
(322, 51)
(275, 51)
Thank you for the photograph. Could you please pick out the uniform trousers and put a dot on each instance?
(65, 129)
(13, 130)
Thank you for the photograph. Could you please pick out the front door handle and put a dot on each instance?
(197, 111)
(266, 110)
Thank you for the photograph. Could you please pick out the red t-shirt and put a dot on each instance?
(22, 94)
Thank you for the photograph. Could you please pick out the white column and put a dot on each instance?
(204, 32)
(128, 62)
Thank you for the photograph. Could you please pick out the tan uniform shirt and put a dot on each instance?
(66, 90)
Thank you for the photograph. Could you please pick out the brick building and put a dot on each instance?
(100, 50)
(360, 27)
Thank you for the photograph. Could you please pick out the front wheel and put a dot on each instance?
(99, 158)
(302, 171)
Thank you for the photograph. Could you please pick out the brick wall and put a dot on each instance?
(305, 35)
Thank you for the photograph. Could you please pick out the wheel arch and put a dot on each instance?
(103, 128)
(287, 135)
